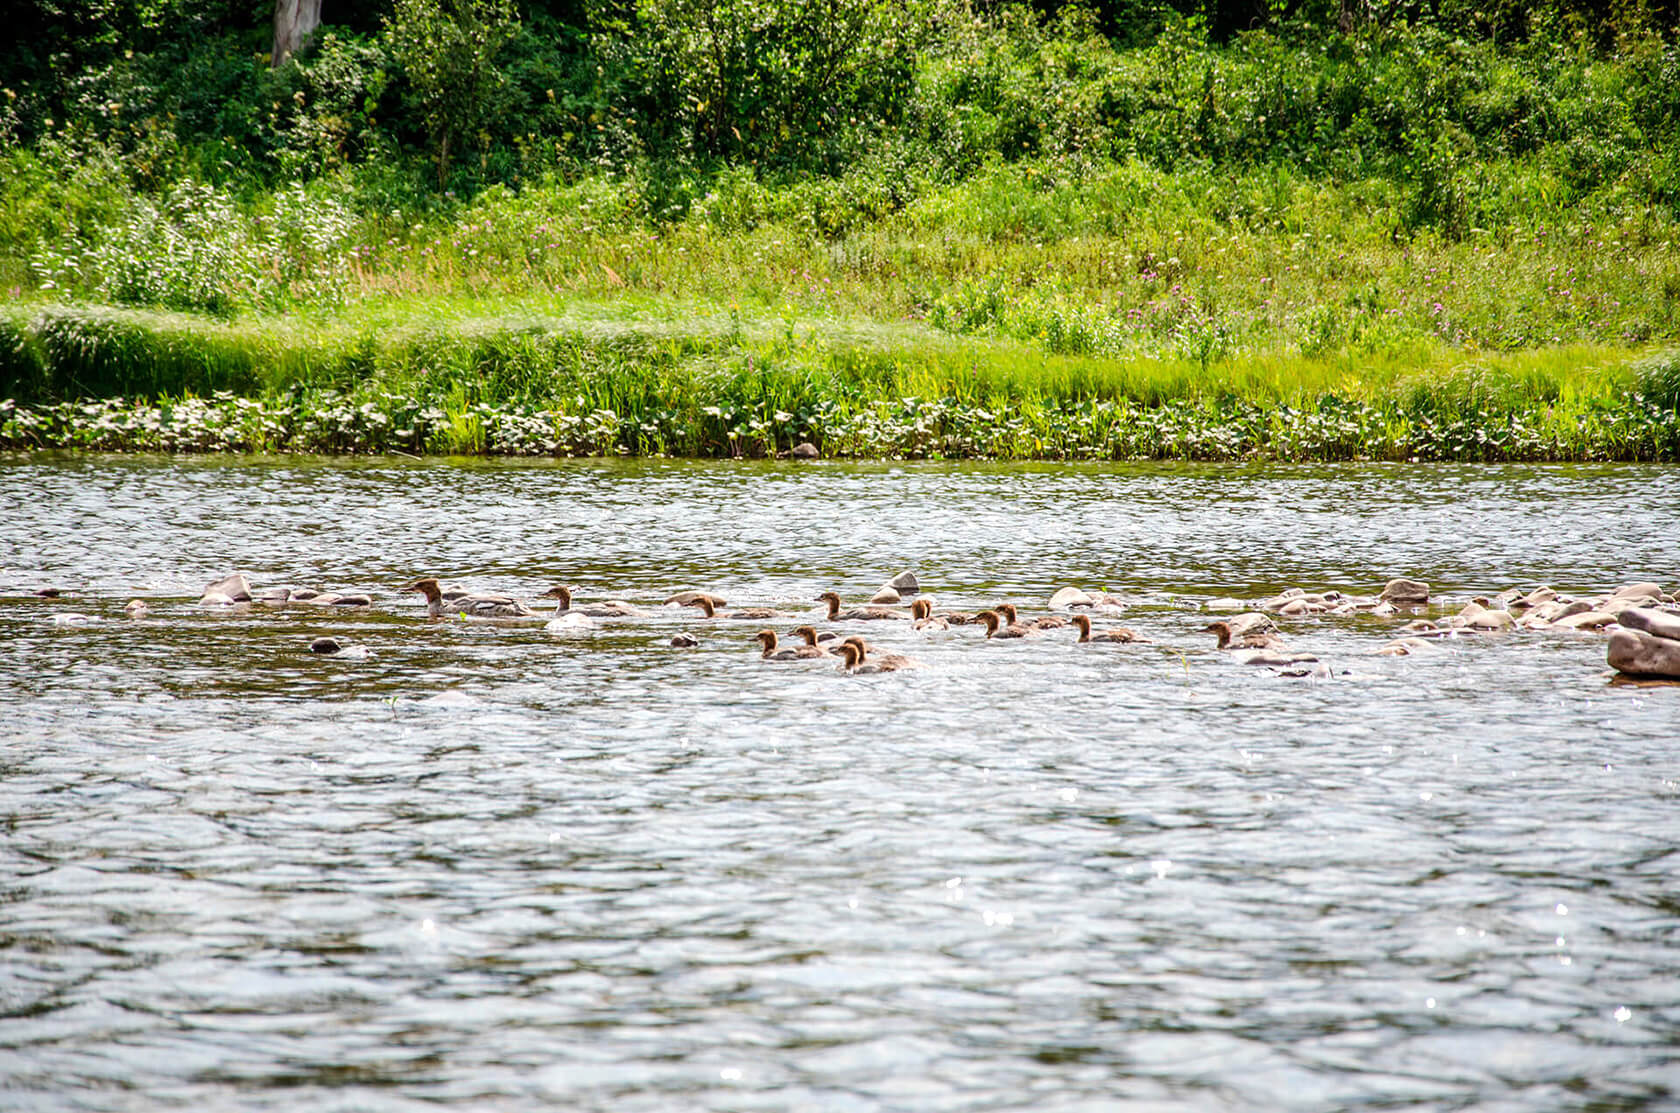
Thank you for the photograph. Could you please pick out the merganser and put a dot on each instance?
(704, 602)
(1121, 634)
(813, 640)
(469, 606)
(1256, 647)
(612, 608)
(921, 617)
(767, 638)
(857, 660)
(857, 614)
(1047, 622)
(995, 627)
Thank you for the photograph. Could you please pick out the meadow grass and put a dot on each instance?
(540, 376)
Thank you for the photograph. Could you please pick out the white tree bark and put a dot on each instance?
(294, 22)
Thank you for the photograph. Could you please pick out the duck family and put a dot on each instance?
(1640, 621)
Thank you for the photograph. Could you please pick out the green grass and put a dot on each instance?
(539, 376)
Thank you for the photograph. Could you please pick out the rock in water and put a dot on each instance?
(805, 450)
(233, 589)
(1640, 654)
(904, 583)
(326, 645)
(1070, 597)
(1659, 624)
(1405, 593)
(886, 594)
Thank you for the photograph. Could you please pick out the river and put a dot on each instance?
(489, 867)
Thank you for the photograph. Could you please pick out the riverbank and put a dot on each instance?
(550, 377)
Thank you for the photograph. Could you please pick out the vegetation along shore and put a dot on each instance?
(927, 230)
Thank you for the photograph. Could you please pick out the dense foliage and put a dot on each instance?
(1343, 182)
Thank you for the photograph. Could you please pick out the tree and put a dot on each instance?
(294, 22)
(448, 49)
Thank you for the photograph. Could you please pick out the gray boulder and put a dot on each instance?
(1660, 624)
(1640, 654)
(1405, 593)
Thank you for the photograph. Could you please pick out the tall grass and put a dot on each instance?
(528, 383)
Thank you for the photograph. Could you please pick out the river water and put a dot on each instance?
(490, 867)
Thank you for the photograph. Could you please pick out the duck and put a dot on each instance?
(1238, 636)
(856, 653)
(612, 608)
(856, 614)
(1118, 635)
(334, 647)
(767, 638)
(1047, 622)
(1257, 647)
(687, 598)
(468, 605)
(995, 627)
(921, 617)
(709, 609)
(814, 640)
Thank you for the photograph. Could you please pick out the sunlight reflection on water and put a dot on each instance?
(491, 867)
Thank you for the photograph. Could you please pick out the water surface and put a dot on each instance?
(493, 868)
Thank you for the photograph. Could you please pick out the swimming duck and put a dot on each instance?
(1234, 636)
(995, 627)
(1047, 622)
(1121, 634)
(687, 598)
(1257, 647)
(704, 602)
(612, 608)
(856, 653)
(856, 614)
(470, 606)
(921, 616)
(767, 638)
(814, 640)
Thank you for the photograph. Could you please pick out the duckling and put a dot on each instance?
(687, 598)
(767, 638)
(1231, 636)
(613, 608)
(814, 640)
(856, 653)
(1046, 622)
(851, 660)
(857, 614)
(995, 627)
(1121, 634)
(921, 617)
(470, 606)
(759, 614)
(1256, 647)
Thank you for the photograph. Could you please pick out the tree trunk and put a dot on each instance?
(294, 22)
